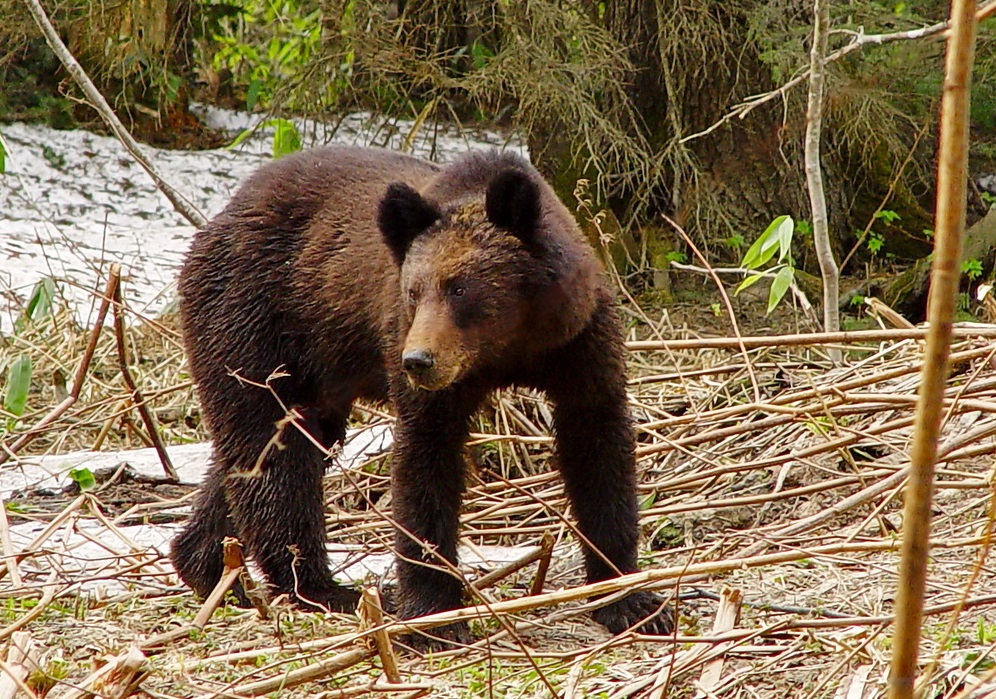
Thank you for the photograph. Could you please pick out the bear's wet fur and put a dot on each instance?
(339, 274)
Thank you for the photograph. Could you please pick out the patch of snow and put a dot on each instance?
(191, 461)
(89, 553)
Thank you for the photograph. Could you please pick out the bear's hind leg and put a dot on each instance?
(278, 511)
(196, 552)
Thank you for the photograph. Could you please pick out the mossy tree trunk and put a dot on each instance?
(138, 52)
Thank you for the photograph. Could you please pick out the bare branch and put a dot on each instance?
(860, 41)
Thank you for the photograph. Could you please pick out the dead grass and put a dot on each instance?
(781, 484)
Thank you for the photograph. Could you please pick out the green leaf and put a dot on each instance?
(749, 281)
(758, 253)
(3, 155)
(15, 393)
(241, 137)
(252, 96)
(286, 137)
(783, 234)
(779, 285)
(40, 303)
(648, 501)
(83, 477)
(776, 237)
(972, 269)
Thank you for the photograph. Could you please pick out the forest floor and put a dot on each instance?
(770, 491)
(770, 502)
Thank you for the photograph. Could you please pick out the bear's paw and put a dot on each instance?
(657, 615)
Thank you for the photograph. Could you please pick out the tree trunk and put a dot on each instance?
(116, 43)
(908, 292)
(814, 173)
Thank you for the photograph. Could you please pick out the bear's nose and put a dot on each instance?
(417, 361)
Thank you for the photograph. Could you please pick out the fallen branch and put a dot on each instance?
(293, 678)
(727, 617)
(118, 678)
(635, 581)
(371, 612)
(136, 395)
(537, 554)
(22, 660)
(234, 564)
(47, 596)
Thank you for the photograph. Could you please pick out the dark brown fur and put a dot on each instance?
(361, 274)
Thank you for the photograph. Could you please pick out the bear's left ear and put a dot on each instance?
(403, 215)
(513, 203)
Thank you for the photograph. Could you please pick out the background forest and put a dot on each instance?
(692, 110)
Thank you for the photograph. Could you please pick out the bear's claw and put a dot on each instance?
(657, 616)
(337, 599)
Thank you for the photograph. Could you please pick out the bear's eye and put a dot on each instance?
(458, 290)
(412, 297)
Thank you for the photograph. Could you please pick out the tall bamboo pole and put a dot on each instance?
(952, 173)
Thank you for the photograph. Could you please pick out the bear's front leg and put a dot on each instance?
(427, 484)
(596, 455)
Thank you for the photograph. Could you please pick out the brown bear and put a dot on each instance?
(340, 274)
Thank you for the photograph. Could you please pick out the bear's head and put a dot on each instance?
(488, 277)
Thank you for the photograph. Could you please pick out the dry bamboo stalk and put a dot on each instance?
(371, 612)
(861, 497)
(52, 526)
(7, 547)
(794, 455)
(836, 390)
(805, 340)
(706, 504)
(945, 274)
(135, 393)
(546, 549)
(727, 617)
(22, 660)
(234, 563)
(537, 554)
(328, 644)
(366, 690)
(293, 678)
(634, 581)
(117, 679)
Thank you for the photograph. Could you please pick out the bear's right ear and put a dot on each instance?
(403, 215)
(512, 202)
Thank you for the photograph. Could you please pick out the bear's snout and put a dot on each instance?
(417, 361)
(421, 368)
